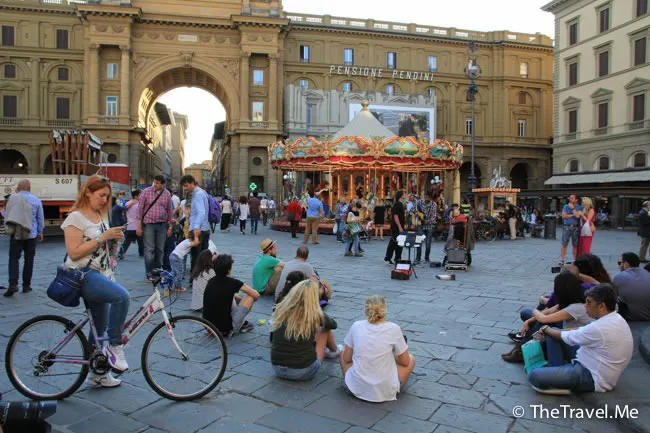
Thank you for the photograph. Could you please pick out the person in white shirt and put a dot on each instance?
(226, 214)
(606, 347)
(176, 201)
(264, 209)
(177, 260)
(271, 208)
(375, 361)
(244, 212)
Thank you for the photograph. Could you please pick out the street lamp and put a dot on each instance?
(473, 72)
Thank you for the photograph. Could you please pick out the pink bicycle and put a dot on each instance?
(183, 358)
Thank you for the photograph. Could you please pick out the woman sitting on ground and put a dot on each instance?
(202, 273)
(569, 313)
(301, 333)
(292, 279)
(375, 361)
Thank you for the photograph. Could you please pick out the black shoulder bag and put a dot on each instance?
(150, 206)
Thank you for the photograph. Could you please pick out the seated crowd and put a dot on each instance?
(582, 326)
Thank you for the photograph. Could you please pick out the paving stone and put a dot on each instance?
(227, 424)
(472, 420)
(355, 429)
(258, 368)
(107, 422)
(286, 395)
(242, 383)
(490, 386)
(446, 429)
(125, 398)
(293, 421)
(239, 406)
(412, 406)
(348, 410)
(435, 351)
(446, 394)
(457, 381)
(70, 410)
(178, 417)
(396, 423)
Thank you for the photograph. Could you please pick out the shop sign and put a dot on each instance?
(393, 74)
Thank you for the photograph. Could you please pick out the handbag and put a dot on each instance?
(335, 229)
(355, 228)
(66, 287)
(533, 355)
(586, 230)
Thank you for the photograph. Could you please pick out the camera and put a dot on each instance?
(557, 269)
(29, 416)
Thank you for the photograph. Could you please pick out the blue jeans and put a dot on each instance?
(355, 240)
(254, 223)
(170, 244)
(297, 373)
(558, 352)
(108, 303)
(339, 230)
(574, 377)
(178, 269)
(154, 237)
(527, 313)
(427, 245)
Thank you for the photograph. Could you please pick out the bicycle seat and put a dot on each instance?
(157, 272)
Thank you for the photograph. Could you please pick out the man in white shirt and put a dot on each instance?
(176, 201)
(606, 347)
(264, 209)
(271, 208)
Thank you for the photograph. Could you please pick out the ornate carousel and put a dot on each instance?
(364, 161)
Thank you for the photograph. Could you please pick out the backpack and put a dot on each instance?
(214, 214)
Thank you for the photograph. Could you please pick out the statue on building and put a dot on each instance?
(499, 181)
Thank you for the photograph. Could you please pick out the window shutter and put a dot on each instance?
(10, 105)
(63, 108)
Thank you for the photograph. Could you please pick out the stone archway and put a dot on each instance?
(520, 175)
(13, 162)
(464, 176)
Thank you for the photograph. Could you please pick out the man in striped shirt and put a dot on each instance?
(155, 217)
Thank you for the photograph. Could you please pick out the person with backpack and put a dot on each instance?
(199, 215)
(214, 212)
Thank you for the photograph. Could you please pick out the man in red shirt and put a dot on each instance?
(294, 212)
(155, 217)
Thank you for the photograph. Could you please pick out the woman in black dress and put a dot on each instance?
(379, 218)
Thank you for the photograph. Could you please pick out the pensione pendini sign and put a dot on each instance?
(394, 74)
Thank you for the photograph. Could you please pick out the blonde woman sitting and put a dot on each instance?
(375, 361)
(301, 334)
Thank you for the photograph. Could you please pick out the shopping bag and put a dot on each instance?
(533, 355)
(335, 229)
(586, 230)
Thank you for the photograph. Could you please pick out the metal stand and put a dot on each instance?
(410, 243)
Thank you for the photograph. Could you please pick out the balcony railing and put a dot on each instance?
(61, 123)
(10, 121)
(108, 120)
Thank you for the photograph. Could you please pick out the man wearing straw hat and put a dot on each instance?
(267, 269)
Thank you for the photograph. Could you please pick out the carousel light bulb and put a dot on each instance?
(285, 177)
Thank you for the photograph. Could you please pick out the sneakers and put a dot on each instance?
(552, 391)
(358, 255)
(247, 326)
(332, 355)
(347, 254)
(180, 289)
(105, 380)
(115, 355)
(389, 262)
(516, 337)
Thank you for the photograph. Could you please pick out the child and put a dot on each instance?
(219, 306)
(177, 260)
(202, 273)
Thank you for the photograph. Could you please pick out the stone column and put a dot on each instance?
(125, 84)
(456, 190)
(243, 89)
(34, 90)
(93, 109)
(273, 92)
(34, 159)
(243, 171)
(134, 164)
(271, 186)
(124, 153)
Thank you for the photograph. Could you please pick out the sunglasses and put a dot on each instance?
(589, 302)
(620, 263)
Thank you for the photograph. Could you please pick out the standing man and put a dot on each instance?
(571, 214)
(199, 223)
(155, 217)
(340, 214)
(511, 215)
(430, 210)
(176, 202)
(315, 212)
(132, 207)
(25, 221)
(264, 208)
(117, 213)
(272, 208)
(254, 206)
(644, 230)
(397, 222)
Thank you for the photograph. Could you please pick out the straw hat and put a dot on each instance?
(266, 245)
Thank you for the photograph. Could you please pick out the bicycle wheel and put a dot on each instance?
(195, 372)
(41, 377)
(491, 235)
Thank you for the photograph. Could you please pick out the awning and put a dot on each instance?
(605, 177)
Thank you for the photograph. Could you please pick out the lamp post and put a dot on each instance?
(473, 72)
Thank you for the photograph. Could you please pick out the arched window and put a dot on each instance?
(431, 92)
(522, 98)
(573, 166)
(347, 86)
(640, 160)
(390, 89)
(603, 163)
(10, 71)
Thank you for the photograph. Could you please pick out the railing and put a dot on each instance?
(608, 130)
(387, 26)
(108, 120)
(61, 123)
(260, 125)
(10, 121)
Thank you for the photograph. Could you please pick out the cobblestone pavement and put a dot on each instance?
(456, 329)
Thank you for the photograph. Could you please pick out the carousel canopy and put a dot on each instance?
(365, 143)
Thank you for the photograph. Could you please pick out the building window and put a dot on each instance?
(603, 115)
(304, 84)
(348, 57)
(603, 163)
(433, 64)
(641, 7)
(639, 51)
(347, 86)
(310, 114)
(390, 89)
(258, 77)
(111, 106)
(63, 74)
(63, 108)
(9, 106)
(521, 128)
(573, 74)
(640, 160)
(304, 53)
(10, 71)
(468, 126)
(258, 111)
(638, 109)
(603, 16)
(573, 166)
(431, 92)
(62, 39)
(111, 71)
(573, 121)
(603, 63)
(522, 98)
(573, 33)
(523, 69)
(8, 36)
(391, 60)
